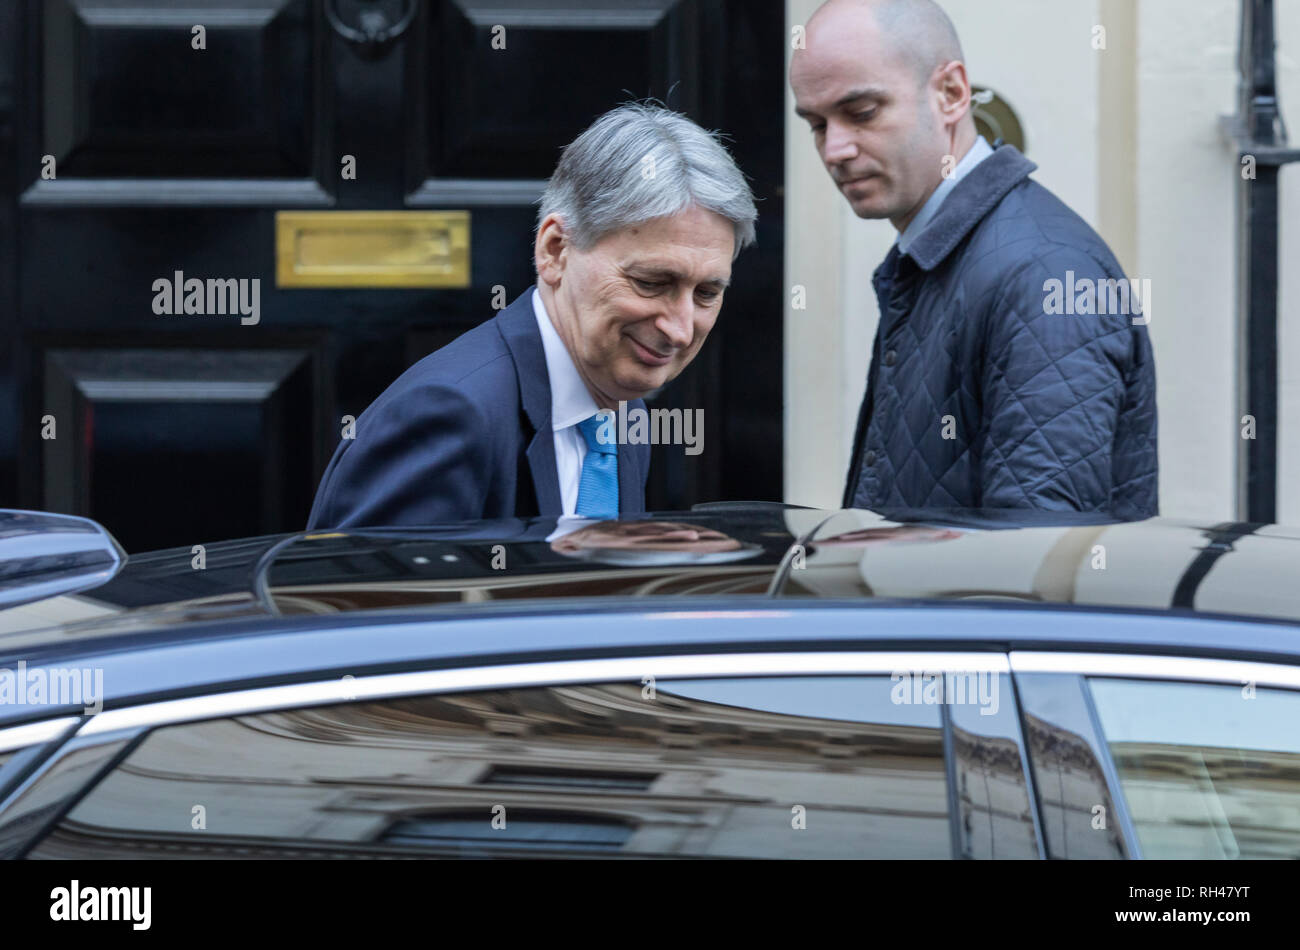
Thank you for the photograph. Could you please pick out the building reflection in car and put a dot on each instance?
(806, 767)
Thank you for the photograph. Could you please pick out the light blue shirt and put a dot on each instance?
(978, 152)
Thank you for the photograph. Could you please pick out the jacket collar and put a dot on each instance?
(974, 197)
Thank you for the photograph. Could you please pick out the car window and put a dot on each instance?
(758, 767)
(1207, 770)
(76, 767)
(24, 747)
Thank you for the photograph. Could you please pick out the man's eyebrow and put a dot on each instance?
(853, 95)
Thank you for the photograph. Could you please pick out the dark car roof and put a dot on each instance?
(292, 608)
(767, 552)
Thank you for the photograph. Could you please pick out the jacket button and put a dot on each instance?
(870, 457)
(891, 357)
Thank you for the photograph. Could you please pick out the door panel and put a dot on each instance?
(504, 120)
(125, 93)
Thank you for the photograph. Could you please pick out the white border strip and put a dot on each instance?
(623, 669)
(1200, 669)
(33, 732)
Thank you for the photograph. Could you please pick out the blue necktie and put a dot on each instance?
(598, 486)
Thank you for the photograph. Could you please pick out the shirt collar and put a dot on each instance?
(977, 153)
(570, 400)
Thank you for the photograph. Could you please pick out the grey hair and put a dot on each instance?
(601, 184)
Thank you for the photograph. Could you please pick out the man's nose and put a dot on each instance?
(838, 145)
(677, 323)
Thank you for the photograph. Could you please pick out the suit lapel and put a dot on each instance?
(518, 326)
(631, 498)
(546, 483)
(629, 484)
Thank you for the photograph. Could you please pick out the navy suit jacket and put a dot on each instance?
(463, 434)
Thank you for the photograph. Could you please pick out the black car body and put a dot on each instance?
(738, 681)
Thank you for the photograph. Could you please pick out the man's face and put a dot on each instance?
(875, 124)
(635, 308)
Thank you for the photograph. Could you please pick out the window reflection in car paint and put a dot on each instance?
(406, 775)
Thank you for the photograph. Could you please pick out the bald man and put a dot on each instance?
(1011, 366)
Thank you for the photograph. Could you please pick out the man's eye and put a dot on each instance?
(818, 129)
(648, 286)
(864, 116)
(708, 295)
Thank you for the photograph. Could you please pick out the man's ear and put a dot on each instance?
(551, 250)
(954, 92)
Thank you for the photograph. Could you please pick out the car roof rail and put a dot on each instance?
(43, 554)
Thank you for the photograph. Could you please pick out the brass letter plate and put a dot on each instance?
(372, 248)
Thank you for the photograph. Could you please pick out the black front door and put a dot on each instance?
(180, 352)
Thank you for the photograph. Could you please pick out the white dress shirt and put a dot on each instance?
(570, 404)
(978, 152)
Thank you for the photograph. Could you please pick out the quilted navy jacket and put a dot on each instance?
(981, 393)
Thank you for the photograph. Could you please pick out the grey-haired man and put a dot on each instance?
(636, 235)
